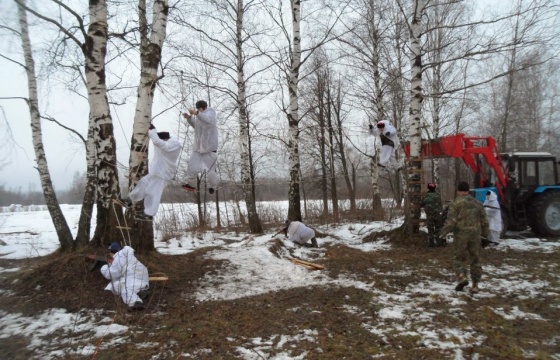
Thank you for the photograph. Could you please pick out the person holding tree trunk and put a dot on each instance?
(204, 154)
(162, 168)
(389, 141)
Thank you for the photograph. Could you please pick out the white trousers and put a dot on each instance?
(128, 289)
(494, 235)
(149, 188)
(387, 156)
(199, 162)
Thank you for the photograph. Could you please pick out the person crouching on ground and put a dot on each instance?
(300, 234)
(205, 147)
(467, 220)
(494, 215)
(162, 169)
(129, 277)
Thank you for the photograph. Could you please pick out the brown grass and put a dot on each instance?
(178, 324)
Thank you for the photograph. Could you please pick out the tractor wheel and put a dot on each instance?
(546, 215)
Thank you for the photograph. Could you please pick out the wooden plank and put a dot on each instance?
(158, 278)
(307, 263)
(304, 265)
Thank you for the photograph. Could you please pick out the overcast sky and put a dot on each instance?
(65, 154)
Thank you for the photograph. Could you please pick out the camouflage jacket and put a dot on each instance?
(432, 204)
(466, 217)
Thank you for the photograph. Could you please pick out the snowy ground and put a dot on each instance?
(254, 270)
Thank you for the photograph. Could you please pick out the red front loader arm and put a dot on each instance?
(468, 148)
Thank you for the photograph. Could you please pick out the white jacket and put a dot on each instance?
(127, 275)
(389, 131)
(299, 233)
(493, 212)
(166, 153)
(205, 131)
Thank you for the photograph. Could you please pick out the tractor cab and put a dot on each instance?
(533, 191)
(531, 169)
(529, 173)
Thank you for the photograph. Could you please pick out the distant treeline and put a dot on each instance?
(267, 189)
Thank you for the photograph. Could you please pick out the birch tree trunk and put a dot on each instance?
(332, 174)
(84, 223)
(61, 226)
(320, 91)
(248, 182)
(510, 86)
(142, 234)
(414, 130)
(437, 88)
(95, 50)
(340, 143)
(378, 212)
(294, 204)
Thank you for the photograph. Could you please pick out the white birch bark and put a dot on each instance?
(378, 103)
(244, 136)
(294, 205)
(95, 50)
(59, 221)
(150, 58)
(414, 130)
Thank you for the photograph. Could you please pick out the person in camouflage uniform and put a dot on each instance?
(433, 207)
(467, 220)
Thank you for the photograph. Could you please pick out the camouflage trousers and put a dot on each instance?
(467, 248)
(434, 225)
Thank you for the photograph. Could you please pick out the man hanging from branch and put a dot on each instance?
(389, 141)
(204, 154)
(162, 168)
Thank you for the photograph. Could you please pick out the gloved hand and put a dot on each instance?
(370, 127)
(152, 126)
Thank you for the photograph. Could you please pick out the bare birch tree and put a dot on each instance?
(94, 49)
(58, 219)
(415, 119)
(290, 65)
(232, 33)
(151, 44)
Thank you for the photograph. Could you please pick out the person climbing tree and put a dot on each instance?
(204, 154)
(389, 141)
(161, 171)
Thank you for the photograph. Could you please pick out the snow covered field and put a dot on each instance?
(253, 269)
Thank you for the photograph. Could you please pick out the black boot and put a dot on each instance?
(431, 243)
